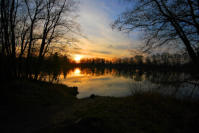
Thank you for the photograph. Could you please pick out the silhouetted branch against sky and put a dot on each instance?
(87, 23)
(163, 22)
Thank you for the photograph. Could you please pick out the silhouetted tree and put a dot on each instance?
(164, 22)
(139, 59)
(29, 27)
(8, 22)
(52, 20)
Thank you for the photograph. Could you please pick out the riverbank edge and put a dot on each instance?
(143, 112)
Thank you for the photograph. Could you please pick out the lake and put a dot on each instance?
(126, 82)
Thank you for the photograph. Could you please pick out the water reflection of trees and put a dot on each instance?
(139, 75)
(157, 77)
(157, 81)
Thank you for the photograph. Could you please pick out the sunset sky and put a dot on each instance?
(95, 18)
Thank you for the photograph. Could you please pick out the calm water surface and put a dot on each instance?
(121, 83)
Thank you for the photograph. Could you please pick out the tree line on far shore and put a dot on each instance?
(164, 60)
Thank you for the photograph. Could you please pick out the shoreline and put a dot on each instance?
(35, 106)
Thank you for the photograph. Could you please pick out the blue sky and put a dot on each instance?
(95, 18)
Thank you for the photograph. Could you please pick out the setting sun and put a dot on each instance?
(77, 58)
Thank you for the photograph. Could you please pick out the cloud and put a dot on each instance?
(102, 52)
(95, 19)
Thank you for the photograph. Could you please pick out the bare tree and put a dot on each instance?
(8, 24)
(8, 12)
(34, 8)
(164, 22)
(55, 24)
(29, 27)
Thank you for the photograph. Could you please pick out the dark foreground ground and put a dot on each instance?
(39, 107)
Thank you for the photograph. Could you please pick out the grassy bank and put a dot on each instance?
(33, 106)
(141, 113)
(37, 93)
(28, 106)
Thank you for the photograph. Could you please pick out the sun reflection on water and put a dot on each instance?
(118, 83)
(77, 72)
